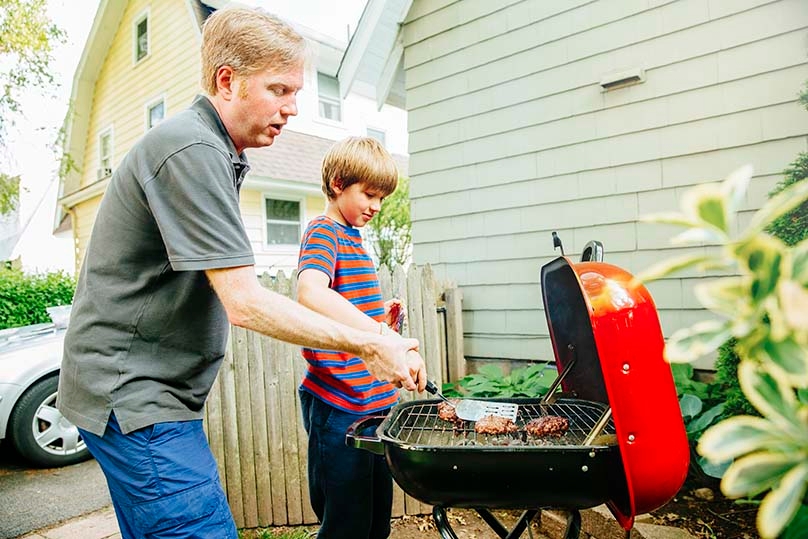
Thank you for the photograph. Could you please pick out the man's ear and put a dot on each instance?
(225, 82)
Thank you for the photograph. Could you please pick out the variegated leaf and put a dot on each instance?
(735, 186)
(782, 503)
(737, 436)
(763, 256)
(770, 395)
(799, 262)
(689, 344)
(794, 302)
(725, 296)
(668, 267)
(791, 358)
(669, 218)
(695, 236)
(780, 204)
(756, 473)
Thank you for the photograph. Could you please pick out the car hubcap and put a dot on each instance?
(55, 434)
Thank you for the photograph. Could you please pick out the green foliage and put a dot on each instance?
(763, 305)
(279, 533)
(792, 227)
(24, 297)
(27, 39)
(389, 230)
(726, 378)
(9, 193)
(531, 381)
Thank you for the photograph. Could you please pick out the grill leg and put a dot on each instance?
(499, 529)
(573, 525)
(442, 523)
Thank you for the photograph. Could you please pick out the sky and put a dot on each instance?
(29, 141)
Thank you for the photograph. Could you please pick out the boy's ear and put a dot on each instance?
(336, 184)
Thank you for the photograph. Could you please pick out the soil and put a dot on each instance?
(700, 510)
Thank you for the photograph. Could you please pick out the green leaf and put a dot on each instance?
(669, 267)
(762, 256)
(794, 302)
(796, 528)
(782, 503)
(695, 236)
(670, 218)
(689, 344)
(706, 419)
(790, 357)
(756, 473)
(690, 405)
(780, 204)
(716, 470)
(799, 262)
(712, 209)
(737, 436)
(773, 398)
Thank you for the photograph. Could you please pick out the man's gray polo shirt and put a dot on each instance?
(147, 333)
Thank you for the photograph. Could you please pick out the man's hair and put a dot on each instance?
(248, 40)
(359, 160)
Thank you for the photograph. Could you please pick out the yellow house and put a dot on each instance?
(141, 64)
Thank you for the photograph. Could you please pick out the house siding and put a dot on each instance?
(123, 89)
(512, 137)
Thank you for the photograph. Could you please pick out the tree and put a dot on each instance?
(389, 230)
(27, 39)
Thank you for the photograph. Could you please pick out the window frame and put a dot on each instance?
(282, 247)
(383, 132)
(337, 101)
(107, 131)
(144, 15)
(150, 105)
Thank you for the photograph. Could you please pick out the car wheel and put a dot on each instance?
(40, 433)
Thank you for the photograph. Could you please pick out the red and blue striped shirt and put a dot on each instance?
(338, 378)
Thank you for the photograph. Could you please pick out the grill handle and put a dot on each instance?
(373, 444)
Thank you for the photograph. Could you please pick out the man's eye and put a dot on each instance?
(278, 90)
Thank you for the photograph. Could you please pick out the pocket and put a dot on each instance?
(180, 509)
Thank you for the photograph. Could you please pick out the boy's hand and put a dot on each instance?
(395, 314)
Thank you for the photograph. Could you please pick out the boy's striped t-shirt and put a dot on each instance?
(338, 378)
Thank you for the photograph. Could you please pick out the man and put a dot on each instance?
(168, 266)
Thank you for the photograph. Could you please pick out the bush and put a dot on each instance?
(24, 297)
(726, 377)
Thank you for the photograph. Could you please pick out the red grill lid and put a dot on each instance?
(611, 329)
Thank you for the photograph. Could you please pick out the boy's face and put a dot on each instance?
(355, 205)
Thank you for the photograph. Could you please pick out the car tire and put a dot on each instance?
(40, 434)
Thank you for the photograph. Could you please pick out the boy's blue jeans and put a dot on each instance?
(351, 490)
(163, 481)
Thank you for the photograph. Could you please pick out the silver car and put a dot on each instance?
(30, 358)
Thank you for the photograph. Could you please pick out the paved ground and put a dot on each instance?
(99, 524)
(33, 499)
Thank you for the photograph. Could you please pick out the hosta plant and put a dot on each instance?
(763, 305)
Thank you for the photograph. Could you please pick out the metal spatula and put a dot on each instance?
(473, 410)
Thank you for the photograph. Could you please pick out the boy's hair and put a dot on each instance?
(359, 160)
(248, 40)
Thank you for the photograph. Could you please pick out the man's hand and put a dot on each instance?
(395, 359)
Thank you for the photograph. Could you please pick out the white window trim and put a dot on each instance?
(323, 119)
(149, 105)
(286, 248)
(101, 134)
(145, 14)
(380, 130)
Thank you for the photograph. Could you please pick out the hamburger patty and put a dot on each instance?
(548, 425)
(494, 424)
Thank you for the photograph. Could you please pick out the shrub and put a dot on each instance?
(24, 297)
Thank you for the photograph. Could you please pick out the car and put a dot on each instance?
(30, 358)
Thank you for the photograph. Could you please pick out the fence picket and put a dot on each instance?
(253, 417)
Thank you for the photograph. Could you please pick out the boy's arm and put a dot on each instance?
(251, 306)
(314, 292)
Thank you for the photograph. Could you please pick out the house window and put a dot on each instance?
(155, 113)
(105, 154)
(283, 221)
(141, 37)
(378, 134)
(328, 91)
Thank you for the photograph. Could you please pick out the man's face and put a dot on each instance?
(261, 105)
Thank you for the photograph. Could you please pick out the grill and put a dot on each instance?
(626, 444)
(418, 425)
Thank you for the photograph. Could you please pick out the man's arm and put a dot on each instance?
(251, 306)
(314, 292)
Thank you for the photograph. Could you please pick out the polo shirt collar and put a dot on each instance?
(203, 106)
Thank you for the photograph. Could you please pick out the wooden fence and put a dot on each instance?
(253, 418)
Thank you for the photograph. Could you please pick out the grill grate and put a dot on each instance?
(419, 425)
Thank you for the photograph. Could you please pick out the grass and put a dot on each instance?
(277, 533)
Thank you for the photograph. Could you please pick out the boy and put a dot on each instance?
(351, 491)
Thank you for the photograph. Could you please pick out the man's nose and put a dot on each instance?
(290, 107)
